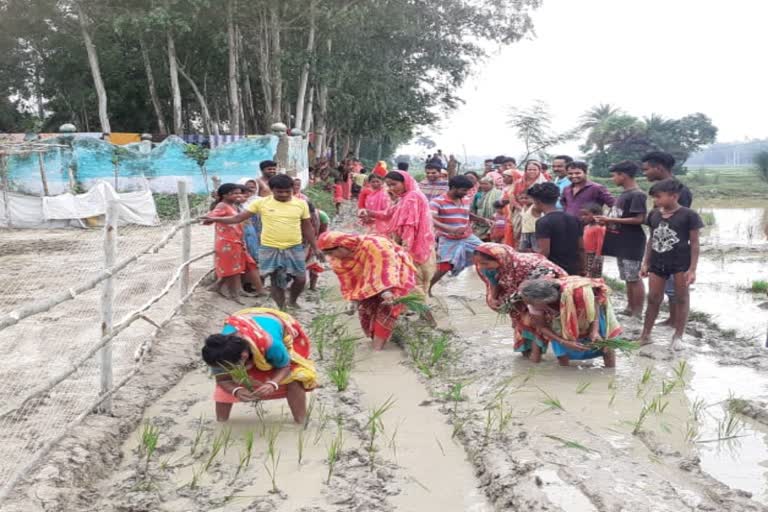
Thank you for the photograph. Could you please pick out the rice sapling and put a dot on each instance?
(149, 437)
(334, 451)
(273, 456)
(217, 445)
(198, 437)
(680, 371)
(375, 426)
(197, 475)
(300, 442)
(413, 302)
(551, 401)
(248, 441)
(582, 387)
(239, 374)
(620, 344)
(505, 416)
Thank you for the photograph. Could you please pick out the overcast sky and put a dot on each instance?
(670, 57)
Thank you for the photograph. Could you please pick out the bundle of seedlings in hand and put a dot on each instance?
(239, 374)
(375, 426)
(413, 302)
(620, 344)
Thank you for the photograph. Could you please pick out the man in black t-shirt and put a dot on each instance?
(624, 235)
(672, 252)
(657, 166)
(559, 235)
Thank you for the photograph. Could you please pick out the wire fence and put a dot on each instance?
(68, 349)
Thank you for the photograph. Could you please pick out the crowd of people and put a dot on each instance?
(536, 237)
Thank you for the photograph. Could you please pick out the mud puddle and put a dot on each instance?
(636, 425)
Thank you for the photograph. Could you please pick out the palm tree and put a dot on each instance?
(595, 121)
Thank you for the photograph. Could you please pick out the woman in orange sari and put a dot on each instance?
(534, 173)
(274, 350)
(375, 198)
(373, 271)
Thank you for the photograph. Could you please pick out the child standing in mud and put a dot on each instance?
(594, 234)
(672, 252)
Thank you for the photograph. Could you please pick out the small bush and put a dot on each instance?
(759, 286)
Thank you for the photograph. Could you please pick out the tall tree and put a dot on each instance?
(93, 61)
(234, 88)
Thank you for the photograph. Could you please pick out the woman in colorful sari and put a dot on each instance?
(373, 271)
(375, 198)
(274, 350)
(533, 174)
(482, 206)
(410, 225)
(503, 270)
(571, 313)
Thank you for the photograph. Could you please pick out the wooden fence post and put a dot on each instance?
(43, 178)
(186, 238)
(107, 302)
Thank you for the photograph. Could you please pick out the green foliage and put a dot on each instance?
(167, 205)
(198, 153)
(533, 126)
(759, 286)
(613, 136)
(322, 198)
(616, 284)
(707, 217)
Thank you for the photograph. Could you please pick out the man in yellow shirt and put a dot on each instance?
(286, 225)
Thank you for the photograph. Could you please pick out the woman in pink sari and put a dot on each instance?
(410, 225)
(375, 198)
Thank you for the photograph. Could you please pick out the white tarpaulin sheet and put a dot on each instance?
(44, 212)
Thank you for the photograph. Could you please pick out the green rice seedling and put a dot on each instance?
(198, 437)
(647, 374)
(691, 431)
(334, 451)
(504, 415)
(413, 302)
(667, 387)
(440, 445)
(149, 437)
(458, 425)
(310, 410)
(680, 371)
(612, 383)
(243, 458)
(273, 456)
(248, 441)
(322, 422)
(197, 475)
(620, 344)
(697, 408)
(261, 416)
(488, 425)
(759, 286)
(613, 399)
(393, 441)
(582, 387)
(439, 349)
(227, 439)
(550, 401)
(375, 426)
(300, 443)
(638, 424)
(729, 426)
(239, 374)
(217, 445)
(570, 444)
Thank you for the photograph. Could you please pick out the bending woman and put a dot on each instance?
(273, 348)
(571, 313)
(503, 270)
(373, 271)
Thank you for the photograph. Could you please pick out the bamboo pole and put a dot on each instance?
(43, 178)
(186, 237)
(11, 483)
(16, 316)
(107, 302)
(117, 329)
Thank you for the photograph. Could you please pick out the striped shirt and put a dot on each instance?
(433, 189)
(446, 210)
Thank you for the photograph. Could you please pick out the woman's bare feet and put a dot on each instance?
(645, 340)
(676, 344)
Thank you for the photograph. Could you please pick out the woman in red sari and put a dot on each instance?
(373, 271)
(534, 173)
(375, 198)
(503, 270)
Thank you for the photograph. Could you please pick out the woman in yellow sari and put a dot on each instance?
(273, 348)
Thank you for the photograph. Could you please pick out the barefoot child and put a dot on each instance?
(594, 234)
(231, 255)
(672, 251)
(624, 235)
(273, 348)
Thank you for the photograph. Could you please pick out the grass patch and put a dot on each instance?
(321, 198)
(759, 286)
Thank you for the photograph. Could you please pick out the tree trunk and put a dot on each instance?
(347, 145)
(304, 79)
(152, 87)
(234, 99)
(93, 61)
(308, 114)
(320, 124)
(206, 114)
(275, 61)
(178, 128)
(358, 143)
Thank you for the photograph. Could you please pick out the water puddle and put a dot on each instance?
(735, 225)
(741, 462)
(563, 495)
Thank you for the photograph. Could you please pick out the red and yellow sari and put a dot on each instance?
(376, 265)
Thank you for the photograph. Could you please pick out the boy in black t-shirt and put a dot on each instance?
(624, 235)
(559, 235)
(672, 251)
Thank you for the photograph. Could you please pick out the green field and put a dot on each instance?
(714, 183)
